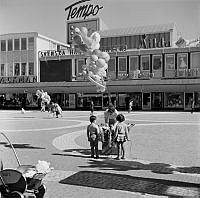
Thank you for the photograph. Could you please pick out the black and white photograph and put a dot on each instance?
(99, 98)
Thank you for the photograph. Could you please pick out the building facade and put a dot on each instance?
(19, 63)
(145, 67)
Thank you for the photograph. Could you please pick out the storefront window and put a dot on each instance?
(23, 44)
(146, 100)
(122, 64)
(31, 68)
(10, 45)
(157, 62)
(16, 44)
(174, 100)
(23, 69)
(182, 61)
(197, 99)
(122, 102)
(156, 100)
(133, 63)
(145, 62)
(188, 100)
(170, 61)
(3, 45)
(2, 69)
(16, 69)
(195, 60)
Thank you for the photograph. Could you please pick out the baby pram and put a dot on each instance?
(18, 183)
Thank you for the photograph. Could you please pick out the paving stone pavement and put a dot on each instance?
(108, 183)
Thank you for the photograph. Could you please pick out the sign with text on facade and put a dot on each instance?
(18, 79)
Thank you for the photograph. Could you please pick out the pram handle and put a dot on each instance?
(13, 149)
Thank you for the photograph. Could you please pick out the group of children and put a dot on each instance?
(119, 131)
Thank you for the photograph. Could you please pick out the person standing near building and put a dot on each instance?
(130, 106)
(192, 105)
(92, 107)
(92, 135)
(121, 136)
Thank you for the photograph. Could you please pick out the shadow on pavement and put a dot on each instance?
(134, 184)
(21, 146)
(83, 153)
(110, 164)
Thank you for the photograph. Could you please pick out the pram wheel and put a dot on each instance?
(39, 193)
(15, 194)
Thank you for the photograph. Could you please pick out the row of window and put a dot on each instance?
(17, 69)
(150, 66)
(17, 44)
(171, 62)
(137, 41)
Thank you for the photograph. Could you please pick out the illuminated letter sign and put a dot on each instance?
(82, 11)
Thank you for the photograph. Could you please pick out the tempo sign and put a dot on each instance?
(82, 11)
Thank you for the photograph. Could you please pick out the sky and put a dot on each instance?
(48, 17)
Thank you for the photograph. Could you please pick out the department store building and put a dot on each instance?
(145, 66)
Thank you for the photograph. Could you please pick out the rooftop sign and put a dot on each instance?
(82, 11)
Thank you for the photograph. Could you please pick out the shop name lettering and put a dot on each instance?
(52, 53)
(18, 79)
(82, 11)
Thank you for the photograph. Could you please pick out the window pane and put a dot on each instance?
(10, 71)
(170, 61)
(157, 62)
(182, 61)
(23, 69)
(122, 64)
(10, 46)
(195, 60)
(111, 65)
(2, 69)
(16, 44)
(16, 69)
(133, 63)
(145, 62)
(80, 64)
(31, 69)
(3, 45)
(23, 44)
(30, 43)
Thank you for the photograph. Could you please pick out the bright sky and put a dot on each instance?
(48, 17)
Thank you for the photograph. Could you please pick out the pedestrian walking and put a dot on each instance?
(91, 107)
(121, 136)
(92, 135)
(58, 110)
(192, 105)
(130, 106)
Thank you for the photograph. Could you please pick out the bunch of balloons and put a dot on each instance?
(43, 96)
(97, 61)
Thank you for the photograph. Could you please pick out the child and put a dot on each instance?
(58, 110)
(92, 135)
(121, 135)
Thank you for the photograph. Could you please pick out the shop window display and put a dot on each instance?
(170, 61)
(157, 62)
(174, 100)
(182, 61)
(145, 62)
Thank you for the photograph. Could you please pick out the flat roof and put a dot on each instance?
(138, 30)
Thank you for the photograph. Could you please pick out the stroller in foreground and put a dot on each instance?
(25, 181)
